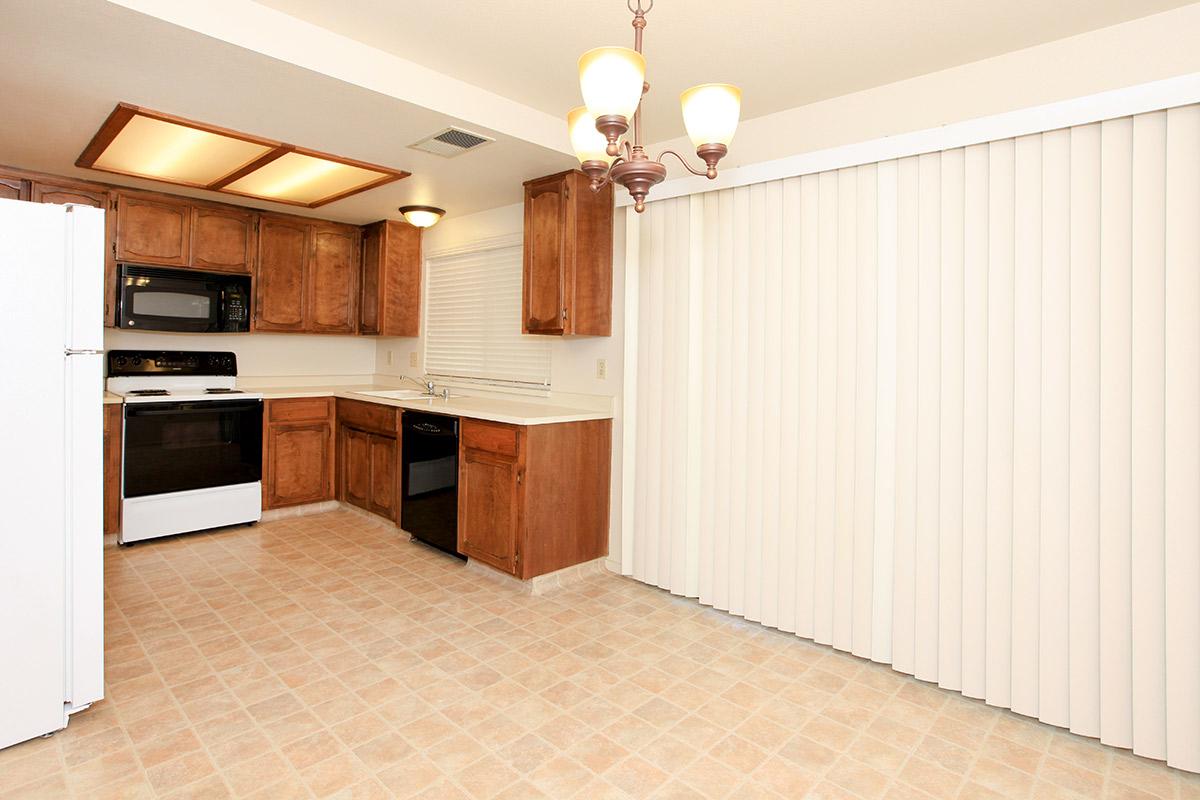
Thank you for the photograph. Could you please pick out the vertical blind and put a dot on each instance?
(473, 320)
(943, 412)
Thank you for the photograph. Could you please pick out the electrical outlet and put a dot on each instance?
(412, 358)
(389, 352)
(602, 368)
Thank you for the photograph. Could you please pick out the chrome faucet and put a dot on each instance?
(426, 384)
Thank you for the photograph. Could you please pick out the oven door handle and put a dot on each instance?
(200, 407)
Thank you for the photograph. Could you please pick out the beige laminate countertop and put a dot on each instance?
(514, 412)
(110, 398)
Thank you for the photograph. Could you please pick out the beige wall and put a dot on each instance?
(1143, 50)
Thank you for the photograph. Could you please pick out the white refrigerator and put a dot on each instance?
(51, 440)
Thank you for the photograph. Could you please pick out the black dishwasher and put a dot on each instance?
(429, 484)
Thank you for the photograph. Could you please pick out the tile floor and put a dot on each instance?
(325, 657)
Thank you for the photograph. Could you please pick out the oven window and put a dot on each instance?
(172, 304)
(175, 447)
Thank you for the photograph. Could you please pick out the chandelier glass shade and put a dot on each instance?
(589, 144)
(710, 113)
(610, 80)
(606, 131)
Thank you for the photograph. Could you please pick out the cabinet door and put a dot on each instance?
(112, 467)
(402, 281)
(13, 189)
(283, 246)
(383, 476)
(153, 231)
(50, 193)
(298, 464)
(333, 279)
(488, 505)
(356, 467)
(370, 276)
(223, 239)
(545, 276)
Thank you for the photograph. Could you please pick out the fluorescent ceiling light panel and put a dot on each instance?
(165, 151)
(149, 144)
(301, 178)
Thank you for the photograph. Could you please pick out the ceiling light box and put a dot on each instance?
(150, 144)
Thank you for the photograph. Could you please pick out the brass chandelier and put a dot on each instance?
(613, 82)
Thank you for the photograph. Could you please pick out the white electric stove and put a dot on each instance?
(192, 443)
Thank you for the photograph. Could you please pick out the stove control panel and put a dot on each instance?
(170, 362)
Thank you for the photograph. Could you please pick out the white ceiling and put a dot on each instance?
(378, 75)
(783, 53)
(64, 64)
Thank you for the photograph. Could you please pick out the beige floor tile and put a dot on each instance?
(325, 656)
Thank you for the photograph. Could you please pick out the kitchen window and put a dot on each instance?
(473, 319)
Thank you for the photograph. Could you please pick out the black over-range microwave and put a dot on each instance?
(170, 299)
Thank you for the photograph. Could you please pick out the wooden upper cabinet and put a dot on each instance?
(333, 278)
(390, 283)
(13, 188)
(51, 193)
(153, 230)
(545, 262)
(568, 257)
(283, 253)
(223, 239)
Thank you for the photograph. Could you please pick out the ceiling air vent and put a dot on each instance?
(451, 142)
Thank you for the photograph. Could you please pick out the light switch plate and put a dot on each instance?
(602, 368)
(412, 358)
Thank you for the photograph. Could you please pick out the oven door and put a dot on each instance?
(177, 446)
(159, 299)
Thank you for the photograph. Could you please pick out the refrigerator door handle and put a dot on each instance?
(69, 352)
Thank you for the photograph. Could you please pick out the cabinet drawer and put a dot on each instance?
(491, 437)
(367, 416)
(298, 409)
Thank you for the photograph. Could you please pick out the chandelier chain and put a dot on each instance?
(638, 8)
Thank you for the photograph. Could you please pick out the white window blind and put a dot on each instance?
(473, 320)
(973, 446)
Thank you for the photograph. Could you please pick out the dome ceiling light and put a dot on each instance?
(422, 216)
(613, 82)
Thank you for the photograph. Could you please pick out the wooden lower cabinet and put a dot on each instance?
(534, 499)
(385, 455)
(369, 457)
(355, 447)
(298, 452)
(531, 499)
(489, 499)
(113, 426)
